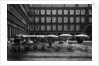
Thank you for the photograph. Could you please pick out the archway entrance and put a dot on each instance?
(88, 31)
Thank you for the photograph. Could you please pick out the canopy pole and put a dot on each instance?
(74, 36)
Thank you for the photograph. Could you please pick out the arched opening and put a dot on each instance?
(88, 31)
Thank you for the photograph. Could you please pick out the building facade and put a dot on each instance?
(60, 18)
(17, 19)
(44, 19)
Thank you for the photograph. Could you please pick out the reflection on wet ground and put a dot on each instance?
(56, 52)
(49, 56)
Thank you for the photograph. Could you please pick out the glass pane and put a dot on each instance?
(71, 19)
(48, 12)
(48, 27)
(54, 27)
(71, 27)
(36, 27)
(31, 27)
(36, 19)
(31, 19)
(82, 5)
(77, 19)
(42, 27)
(36, 11)
(48, 19)
(54, 12)
(82, 19)
(71, 12)
(77, 12)
(70, 5)
(65, 19)
(59, 19)
(32, 11)
(82, 11)
(42, 19)
(90, 12)
(60, 12)
(65, 12)
(42, 12)
(77, 27)
(59, 27)
(53, 19)
(66, 27)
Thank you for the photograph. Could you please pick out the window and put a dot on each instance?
(42, 27)
(77, 19)
(65, 19)
(90, 12)
(77, 27)
(90, 19)
(32, 11)
(59, 27)
(82, 11)
(36, 11)
(48, 19)
(31, 27)
(36, 19)
(71, 19)
(48, 27)
(53, 19)
(53, 27)
(54, 12)
(71, 27)
(70, 5)
(59, 11)
(77, 12)
(48, 12)
(66, 27)
(59, 19)
(42, 12)
(42, 19)
(71, 12)
(65, 12)
(82, 19)
(31, 19)
(82, 5)
(36, 27)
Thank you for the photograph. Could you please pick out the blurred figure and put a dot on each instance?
(12, 41)
(9, 45)
(30, 41)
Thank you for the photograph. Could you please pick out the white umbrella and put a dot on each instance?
(50, 38)
(19, 35)
(81, 35)
(25, 35)
(32, 35)
(65, 35)
(51, 35)
(41, 36)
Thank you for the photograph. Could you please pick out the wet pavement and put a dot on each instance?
(49, 56)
